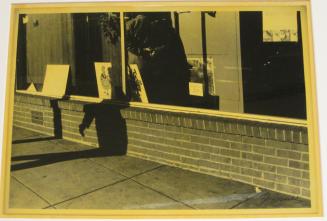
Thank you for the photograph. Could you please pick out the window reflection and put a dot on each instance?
(155, 46)
(244, 62)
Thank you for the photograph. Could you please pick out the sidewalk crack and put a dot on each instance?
(157, 191)
(83, 194)
(264, 195)
(31, 190)
(113, 170)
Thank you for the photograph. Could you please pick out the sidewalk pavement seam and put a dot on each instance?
(92, 191)
(38, 195)
(49, 207)
(120, 181)
(163, 194)
(247, 199)
(131, 178)
(27, 137)
(112, 170)
(127, 178)
(138, 174)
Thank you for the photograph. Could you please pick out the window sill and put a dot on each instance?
(37, 93)
(180, 109)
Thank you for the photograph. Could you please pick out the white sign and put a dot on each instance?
(55, 82)
(135, 76)
(197, 74)
(104, 79)
(196, 89)
(31, 88)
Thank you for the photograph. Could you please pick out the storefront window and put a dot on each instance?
(75, 39)
(231, 61)
(218, 60)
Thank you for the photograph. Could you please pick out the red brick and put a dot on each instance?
(251, 156)
(298, 182)
(264, 167)
(219, 142)
(263, 150)
(298, 165)
(232, 153)
(242, 163)
(220, 159)
(276, 161)
(288, 172)
(305, 193)
(254, 173)
(264, 183)
(275, 177)
(253, 140)
(247, 179)
(288, 189)
(241, 146)
(289, 154)
(278, 144)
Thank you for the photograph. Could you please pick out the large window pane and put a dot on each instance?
(76, 39)
(231, 61)
(217, 60)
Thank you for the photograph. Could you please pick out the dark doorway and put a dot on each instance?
(88, 49)
(21, 70)
(273, 75)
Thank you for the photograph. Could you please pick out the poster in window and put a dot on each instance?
(104, 79)
(55, 82)
(197, 75)
(136, 84)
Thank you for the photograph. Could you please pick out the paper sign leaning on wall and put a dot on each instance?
(31, 88)
(196, 89)
(104, 79)
(135, 79)
(197, 75)
(55, 82)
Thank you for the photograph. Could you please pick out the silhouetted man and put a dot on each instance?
(157, 49)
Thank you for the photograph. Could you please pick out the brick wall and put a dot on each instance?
(267, 155)
(25, 106)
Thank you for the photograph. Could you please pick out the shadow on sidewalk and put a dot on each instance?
(38, 160)
(30, 140)
(111, 132)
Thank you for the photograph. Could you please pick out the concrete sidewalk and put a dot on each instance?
(57, 174)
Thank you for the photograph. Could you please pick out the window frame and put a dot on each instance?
(122, 8)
